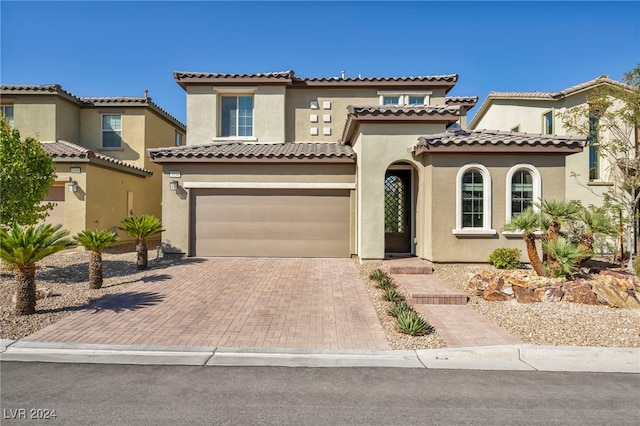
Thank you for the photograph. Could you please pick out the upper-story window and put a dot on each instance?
(396, 97)
(112, 131)
(237, 116)
(594, 147)
(7, 111)
(178, 139)
(547, 123)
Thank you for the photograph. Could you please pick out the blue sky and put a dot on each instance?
(122, 48)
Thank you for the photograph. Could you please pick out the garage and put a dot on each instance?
(55, 196)
(270, 222)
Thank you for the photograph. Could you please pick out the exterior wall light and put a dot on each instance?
(173, 185)
(72, 186)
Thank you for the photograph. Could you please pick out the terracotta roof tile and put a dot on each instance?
(448, 78)
(449, 100)
(486, 139)
(253, 150)
(556, 95)
(402, 110)
(180, 75)
(62, 149)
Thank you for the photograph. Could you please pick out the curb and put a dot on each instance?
(520, 357)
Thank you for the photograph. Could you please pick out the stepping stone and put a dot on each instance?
(429, 290)
(407, 265)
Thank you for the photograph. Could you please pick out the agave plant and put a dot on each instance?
(378, 275)
(141, 228)
(392, 295)
(385, 283)
(96, 242)
(412, 323)
(398, 308)
(21, 248)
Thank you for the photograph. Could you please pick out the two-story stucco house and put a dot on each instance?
(278, 165)
(98, 147)
(588, 174)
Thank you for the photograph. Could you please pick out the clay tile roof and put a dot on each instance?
(461, 100)
(495, 140)
(447, 78)
(402, 110)
(180, 75)
(132, 101)
(253, 151)
(556, 95)
(62, 150)
(45, 88)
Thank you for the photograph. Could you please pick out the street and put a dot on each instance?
(48, 393)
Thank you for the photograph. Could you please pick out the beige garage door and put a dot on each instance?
(270, 222)
(56, 196)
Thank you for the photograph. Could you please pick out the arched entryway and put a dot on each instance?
(399, 210)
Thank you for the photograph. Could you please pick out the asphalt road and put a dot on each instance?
(177, 395)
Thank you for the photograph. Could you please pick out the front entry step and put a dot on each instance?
(407, 265)
(429, 290)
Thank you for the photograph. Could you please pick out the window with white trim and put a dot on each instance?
(112, 131)
(547, 123)
(390, 100)
(473, 201)
(524, 187)
(396, 97)
(236, 116)
(7, 111)
(594, 146)
(178, 139)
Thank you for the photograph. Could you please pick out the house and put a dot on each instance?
(588, 174)
(98, 148)
(283, 166)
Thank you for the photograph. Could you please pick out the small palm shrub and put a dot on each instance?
(141, 228)
(96, 242)
(566, 256)
(505, 258)
(378, 275)
(386, 283)
(412, 323)
(398, 308)
(391, 295)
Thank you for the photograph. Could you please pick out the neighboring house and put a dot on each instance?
(277, 165)
(98, 147)
(588, 174)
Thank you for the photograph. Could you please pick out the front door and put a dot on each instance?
(397, 211)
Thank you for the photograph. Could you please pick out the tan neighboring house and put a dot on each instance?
(587, 173)
(283, 166)
(98, 147)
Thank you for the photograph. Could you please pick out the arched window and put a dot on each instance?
(473, 201)
(523, 189)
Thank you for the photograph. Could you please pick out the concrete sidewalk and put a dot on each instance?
(503, 357)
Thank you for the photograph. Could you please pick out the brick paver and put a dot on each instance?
(234, 302)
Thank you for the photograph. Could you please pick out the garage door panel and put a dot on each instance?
(285, 223)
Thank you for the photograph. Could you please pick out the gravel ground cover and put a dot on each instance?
(66, 274)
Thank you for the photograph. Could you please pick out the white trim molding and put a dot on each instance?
(486, 229)
(269, 185)
(537, 186)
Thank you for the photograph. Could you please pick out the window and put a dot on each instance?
(594, 149)
(415, 100)
(112, 131)
(7, 111)
(523, 188)
(547, 123)
(237, 116)
(473, 201)
(178, 138)
(390, 100)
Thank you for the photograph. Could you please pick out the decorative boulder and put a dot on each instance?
(550, 294)
(525, 295)
(579, 291)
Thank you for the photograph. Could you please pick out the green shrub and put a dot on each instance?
(386, 283)
(378, 275)
(392, 295)
(505, 258)
(399, 307)
(413, 324)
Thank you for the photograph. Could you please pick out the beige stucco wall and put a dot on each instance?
(378, 146)
(203, 103)
(176, 204)
(35, 116)
(133, 133)
(67, 120)
(298, 111)
(446, 247)
(74, 203)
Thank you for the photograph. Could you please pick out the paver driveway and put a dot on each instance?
(234, 302)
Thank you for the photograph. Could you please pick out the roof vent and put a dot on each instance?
(342, 74)
(146, 93)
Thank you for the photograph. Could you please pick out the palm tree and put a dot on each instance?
(529, 222)
(96, 241)
(558, 212)
(21, 248)
(596, 221)
(567, 256)
(140, 228)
